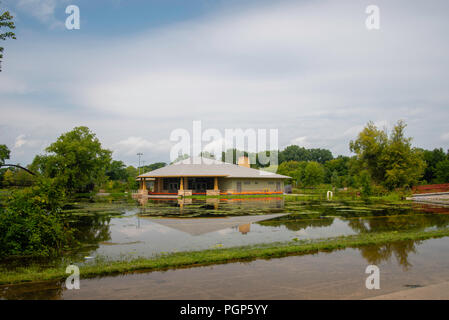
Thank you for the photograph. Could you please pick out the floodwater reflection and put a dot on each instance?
(400, 250)
(128, 229)
(415, 259)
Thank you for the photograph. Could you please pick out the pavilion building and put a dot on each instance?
(210, 177)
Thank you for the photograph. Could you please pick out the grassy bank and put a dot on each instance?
(216, 256)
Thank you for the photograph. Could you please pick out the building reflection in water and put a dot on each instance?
(245, 228)
(198, 207)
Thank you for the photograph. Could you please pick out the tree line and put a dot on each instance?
(78, 162)
(32, 220)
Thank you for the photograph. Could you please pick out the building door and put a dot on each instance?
(173, 187)
(239, 186)
(278, 186)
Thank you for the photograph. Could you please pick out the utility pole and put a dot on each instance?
(139, 154)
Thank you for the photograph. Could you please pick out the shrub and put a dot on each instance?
(31, 223)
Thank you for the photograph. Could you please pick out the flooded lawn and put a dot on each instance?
(339, 274)
(124, 228)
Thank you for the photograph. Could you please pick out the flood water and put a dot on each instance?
(125, 228)
(339, 274)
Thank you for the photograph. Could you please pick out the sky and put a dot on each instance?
(137, 70)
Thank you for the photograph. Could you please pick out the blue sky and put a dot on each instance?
(136, 70)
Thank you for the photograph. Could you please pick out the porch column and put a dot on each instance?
(144, 185)
(181, 186)
(215, 183)
(159, 185)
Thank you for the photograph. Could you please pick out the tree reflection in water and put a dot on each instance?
(400, 249)
(92, 229)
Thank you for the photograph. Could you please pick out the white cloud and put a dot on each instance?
(133, 145)
(445, 136)
(301, 141)
(23, 141)
(43, 10)
(311, 70)
(20, 141)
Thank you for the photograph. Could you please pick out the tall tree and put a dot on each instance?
(390, 161)
(432, 158)
(313, 174)
(442, 172)
(294, 153)
(4, 153)
(294, 169)
(320, 155)
(403, 165)
(76, 160)
(6, 22)
(117, 171)
(368, 147)
(297, 153)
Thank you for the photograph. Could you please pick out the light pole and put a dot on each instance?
(139, 154)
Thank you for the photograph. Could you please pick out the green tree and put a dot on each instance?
(390, 161)
(76, 160)
(31, 222)
(335, 179)
(116, 171)
(6, 22)
(313, 174)
(366, 184)
(338, 166)
(320, 155)
(432, 158)
(153, 166)
(294, 169)
(294, 153)
(403, 165)
(132, 172)
(442, 171)
(4, 153)
(17, 177)
(297, 153)
(8, 178)
(369, 148)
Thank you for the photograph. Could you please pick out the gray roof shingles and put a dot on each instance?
(209, 167)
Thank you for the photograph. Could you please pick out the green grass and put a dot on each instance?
(103, 267)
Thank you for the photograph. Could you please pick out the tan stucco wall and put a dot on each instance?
(260, 184)
(230, 185)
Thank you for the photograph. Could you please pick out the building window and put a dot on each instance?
(246, 182)
(270, 182)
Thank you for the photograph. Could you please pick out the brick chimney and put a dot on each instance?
(244, 161)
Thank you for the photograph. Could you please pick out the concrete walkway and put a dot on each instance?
(440, 198)
(433, 292)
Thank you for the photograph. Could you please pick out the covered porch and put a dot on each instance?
(181, 186)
